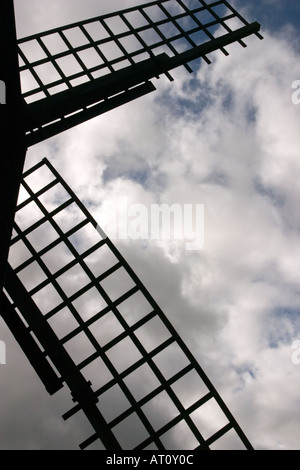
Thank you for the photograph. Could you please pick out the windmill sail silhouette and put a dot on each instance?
(90, 324)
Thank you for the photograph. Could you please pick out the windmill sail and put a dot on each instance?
(125, 365)
(76, 72)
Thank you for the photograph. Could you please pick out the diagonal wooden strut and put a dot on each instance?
(80, 388)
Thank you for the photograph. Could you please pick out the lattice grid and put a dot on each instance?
(60, 59)
(149, 389)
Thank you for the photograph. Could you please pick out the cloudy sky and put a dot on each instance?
(226, 136)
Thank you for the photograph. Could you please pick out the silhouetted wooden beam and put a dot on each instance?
(12, 135)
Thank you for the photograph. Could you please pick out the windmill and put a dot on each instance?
(114, 336)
